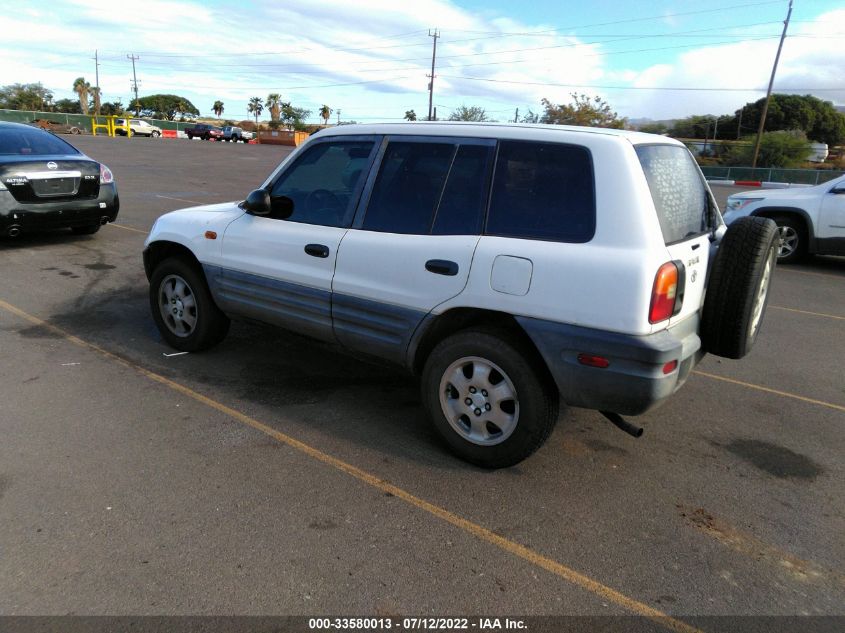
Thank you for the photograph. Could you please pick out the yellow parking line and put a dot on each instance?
(474, 529)
(127, 228)
(818, 314)
(785, 394)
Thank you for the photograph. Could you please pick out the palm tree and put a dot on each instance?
(96, 92)
(410, 115)
(81, 88)
(255, 107)
(274, 104)
(325, 113)
(217, 108)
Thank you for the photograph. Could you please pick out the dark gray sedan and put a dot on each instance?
(46, 183)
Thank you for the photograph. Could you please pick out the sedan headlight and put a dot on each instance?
(737, 204)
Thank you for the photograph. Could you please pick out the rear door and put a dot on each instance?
(279, 269)
(412, 244)
(687, 214)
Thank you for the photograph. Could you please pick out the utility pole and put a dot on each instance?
(769, 91)
(338, 116)
(739, 123)
(434, 35)
(97, 79)
(134, 58)
(516, 116)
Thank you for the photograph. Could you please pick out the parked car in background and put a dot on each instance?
(236, 134)
(137, 127)
(811, 220)
(205, 131)
(56, 127)
(47, 183)
(511, 267)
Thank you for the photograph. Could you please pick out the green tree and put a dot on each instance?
(163, 106)
(471, 113)
(255, 107)
(68, 106)
(530, 117)
(584, 110)
(410, 115)
(25, 97)
(112, 107)
(818, 119)
(293, 118)
(783, 148)
(81, 88)
(274, 105)
(217, 108)
(325, 113)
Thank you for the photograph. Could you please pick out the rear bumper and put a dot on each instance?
(53, 215)
(634, 381)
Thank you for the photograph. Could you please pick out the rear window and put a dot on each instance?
(683, 204)
(543, 191)
(32, 142)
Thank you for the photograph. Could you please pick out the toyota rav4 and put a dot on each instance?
(512, 267)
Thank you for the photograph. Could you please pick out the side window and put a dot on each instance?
(464, 198)
(543, 191)
(408, 187)
(323, 182)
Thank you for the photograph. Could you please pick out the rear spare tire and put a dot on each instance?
(738, 290)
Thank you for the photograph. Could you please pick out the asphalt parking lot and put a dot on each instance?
(274, 475)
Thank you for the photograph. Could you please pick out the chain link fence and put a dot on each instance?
(793, 176)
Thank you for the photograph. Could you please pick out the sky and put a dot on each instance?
(369, 59)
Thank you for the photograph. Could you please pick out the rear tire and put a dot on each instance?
(183, 308)
(738, 290)
(488, 398)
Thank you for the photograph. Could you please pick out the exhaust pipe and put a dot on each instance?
(13, 231)
(104, 220)
(622, 423)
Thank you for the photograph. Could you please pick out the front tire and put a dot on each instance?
(183, 309)
(793, 240)
(488, 398)
(155, 134)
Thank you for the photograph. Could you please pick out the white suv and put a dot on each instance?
(810, 219)
(137, 127)
(512, 267)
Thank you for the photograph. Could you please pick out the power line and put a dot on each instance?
(661, 88)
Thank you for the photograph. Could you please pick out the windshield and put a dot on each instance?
(681, 199)
(32, 142)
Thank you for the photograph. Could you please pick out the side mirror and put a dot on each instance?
(257, 203)
(840, 189)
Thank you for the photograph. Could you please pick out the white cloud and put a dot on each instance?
(303, 48)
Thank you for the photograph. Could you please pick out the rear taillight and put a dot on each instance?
(106, 176)
(666, 297)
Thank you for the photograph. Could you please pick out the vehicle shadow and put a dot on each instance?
(369, 404)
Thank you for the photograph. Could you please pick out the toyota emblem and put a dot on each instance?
(52, 165)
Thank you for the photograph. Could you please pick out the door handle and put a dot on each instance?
(317, 250)
(442, 267)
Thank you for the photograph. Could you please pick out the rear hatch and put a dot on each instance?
(687, 214)
(44, 179)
